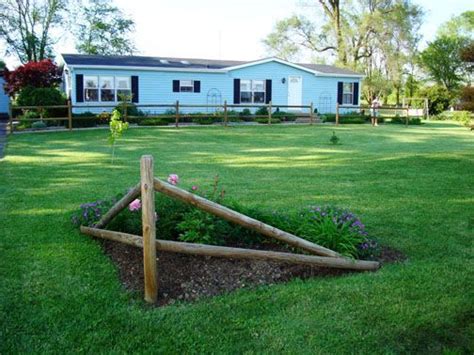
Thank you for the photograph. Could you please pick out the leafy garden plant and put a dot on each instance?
(337, 229)
(329, 226)
(117, 127)
(334, 139)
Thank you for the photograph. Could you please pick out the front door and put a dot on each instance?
(295, 90)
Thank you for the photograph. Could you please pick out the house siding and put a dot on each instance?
(156, 87)
(4, 100)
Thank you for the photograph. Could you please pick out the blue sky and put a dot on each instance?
(230, 29)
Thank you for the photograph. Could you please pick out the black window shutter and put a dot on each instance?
(197, 86)
(236, 91)
(268, 91)
(339, 92)
(355, 100)
(79, 88)
(175, 85)
(135, 93)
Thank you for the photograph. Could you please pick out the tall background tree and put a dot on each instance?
(27, 26)
(104, 29)
(378, 37)
(442, 61)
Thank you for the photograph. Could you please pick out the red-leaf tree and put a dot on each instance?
(42, 74)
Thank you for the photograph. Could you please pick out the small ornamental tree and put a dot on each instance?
(42, 74)
(117, 127)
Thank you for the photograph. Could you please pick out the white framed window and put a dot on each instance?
(107, 89)
(245, 91)
(252, 91)
(91, 88)
(123, 87)
(186, 86)
(348, 93)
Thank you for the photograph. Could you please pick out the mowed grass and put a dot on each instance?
(413, 187)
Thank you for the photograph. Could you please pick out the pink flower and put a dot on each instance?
(135, 205)
(173, 179)
(194, 188)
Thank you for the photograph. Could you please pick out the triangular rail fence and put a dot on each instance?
(146, 188)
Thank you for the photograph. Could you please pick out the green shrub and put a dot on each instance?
(245, 112)
(261, 111)
(30, 96)
(333, 228)
(284, 116)
(38, 125)
(153, 121)
(201, 227)
(402, 120)
(463, 117)
(439, 98)
(204, 120)
(132, 110)
(334, 139)
(350, 118)
(443, 116)
(246, 115)
(84, 119)
(263, 120)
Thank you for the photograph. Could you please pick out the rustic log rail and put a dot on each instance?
(147, 187)
(220, 111)
(229, 252)
(241, 219)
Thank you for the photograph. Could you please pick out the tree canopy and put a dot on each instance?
(376, 37)
(27, 27)
(443, 62)
(104, 29)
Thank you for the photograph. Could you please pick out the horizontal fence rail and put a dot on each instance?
(220, 114)
(178, 114)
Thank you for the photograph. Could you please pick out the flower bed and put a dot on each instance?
(332, 227)
(190, 277)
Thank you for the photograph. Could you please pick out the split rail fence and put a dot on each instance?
(147, 187)
(405, 111)
(223, 112)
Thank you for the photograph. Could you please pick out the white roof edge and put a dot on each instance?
(281, 61)
(271, 59)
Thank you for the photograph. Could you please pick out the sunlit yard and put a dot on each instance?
(412, 187)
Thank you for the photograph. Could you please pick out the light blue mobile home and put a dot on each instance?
(91, 80)
(4, 100)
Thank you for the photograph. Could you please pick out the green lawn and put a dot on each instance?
(413, 187)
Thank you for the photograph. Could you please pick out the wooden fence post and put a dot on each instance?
(177, 114)
(149, 229)
(337, 113)
(225, 113)
(69, 114)
(311, 113)
(269, 112)
(426, 110)
(10, 117)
